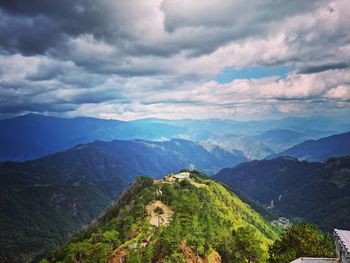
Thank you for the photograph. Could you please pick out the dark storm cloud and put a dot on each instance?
(40, 108)
(50, 101)
(31, 27)
(226, 21)
(28, 35)
(45, 27)
(98, 96)
(321, 68)
(242, 15)
(229, 20)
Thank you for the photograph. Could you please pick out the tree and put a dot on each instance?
(242, 245)
(133, 256)
(169, 194)
(144, 181)
(98, 253)
(148, 254)
(126, 225)
(175, 257)
(139, 209)
(170, 238)
(302, 240)
(77, 251)
(195, 236)
(111, 237)
(158, 210)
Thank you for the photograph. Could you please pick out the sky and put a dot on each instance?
(242, 59)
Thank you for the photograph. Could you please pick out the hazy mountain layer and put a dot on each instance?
(32, 136)
(281, 139)
(321, 149)
(248, 145)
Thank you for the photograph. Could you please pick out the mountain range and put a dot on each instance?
(44, 201)
(32, 136)
(76, 167)
(321, 149)
(317, 192)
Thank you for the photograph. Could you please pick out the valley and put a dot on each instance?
(45, 201)
(316, 192)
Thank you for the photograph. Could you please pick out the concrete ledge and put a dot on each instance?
(316, 260)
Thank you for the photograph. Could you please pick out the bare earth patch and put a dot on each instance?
(159, 219)
(118, 256)
(190, 255)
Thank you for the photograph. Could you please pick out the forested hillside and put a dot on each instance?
(44, 201)
(317, 192)
(173, 220)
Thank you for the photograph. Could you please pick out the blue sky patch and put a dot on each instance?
(229, 74)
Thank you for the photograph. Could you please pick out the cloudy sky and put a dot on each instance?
(131, 59)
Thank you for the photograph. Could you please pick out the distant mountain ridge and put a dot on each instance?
(32, 136)
(250, 146)
(317, 192)
(48, 134)
(279, 139)
(100, 161)
(321, 149)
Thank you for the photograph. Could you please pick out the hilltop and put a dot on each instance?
(174, 219)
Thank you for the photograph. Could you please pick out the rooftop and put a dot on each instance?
(344, 236)
(183, 175)
(315, 260)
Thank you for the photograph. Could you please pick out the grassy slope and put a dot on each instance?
(205, 214)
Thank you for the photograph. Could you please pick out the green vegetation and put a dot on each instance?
(238, 246)
(42, 216)
(44, 201)
(206, 219)
(315, 192)
(159, 211)
(302, 240)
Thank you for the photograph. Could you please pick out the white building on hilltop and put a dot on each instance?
(182, 176)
